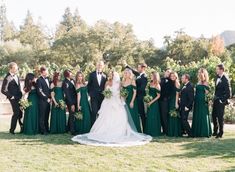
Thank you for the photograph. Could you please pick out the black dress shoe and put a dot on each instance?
(73, 133)
(12, 132)
(218, 136)
(44, 133)
(214, 134)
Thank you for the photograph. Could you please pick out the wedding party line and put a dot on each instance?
(152, 107)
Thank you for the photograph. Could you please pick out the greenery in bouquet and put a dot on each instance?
(24, 104)
(107, 93)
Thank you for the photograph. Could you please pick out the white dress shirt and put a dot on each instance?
(14, 76)
(99, 77)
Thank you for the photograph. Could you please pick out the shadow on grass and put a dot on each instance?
(21, 139)
(221, 148)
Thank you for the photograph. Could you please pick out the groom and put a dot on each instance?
(96, 85)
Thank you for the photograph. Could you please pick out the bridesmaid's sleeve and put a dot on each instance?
(178, 90)
(134, 87)
(78, 90)
(207, 88)
(52, 89)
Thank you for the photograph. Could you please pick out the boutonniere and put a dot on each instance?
(184, 87)
(67, 85)
(166, 80)
(138, 77)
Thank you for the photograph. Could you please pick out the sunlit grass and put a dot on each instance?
(57, 153)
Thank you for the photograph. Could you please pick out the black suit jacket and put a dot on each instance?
(69, 92)
(43, 90)
(141, 82)
(187, 97)
(10, 88)
(166, 88)
(222, 90)
(94, 89)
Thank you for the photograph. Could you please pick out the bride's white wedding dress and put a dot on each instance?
(114, 126)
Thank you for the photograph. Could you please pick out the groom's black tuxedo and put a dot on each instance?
(186, 101)
(222, 94)
(11, 88)
(141, 83)
(44, 93)
(95, 91)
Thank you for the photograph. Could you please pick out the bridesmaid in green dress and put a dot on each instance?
(153, 123)
(129, 85)
(201, 125)
(31, 113)
(58, 111)
(174, 124)
(82, 125)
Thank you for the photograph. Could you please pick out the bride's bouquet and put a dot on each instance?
(24, 104)
(107, 93)
(123, 93)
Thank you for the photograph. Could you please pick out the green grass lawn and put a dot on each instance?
(57, 153)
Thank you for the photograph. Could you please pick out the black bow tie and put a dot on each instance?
(99, 73)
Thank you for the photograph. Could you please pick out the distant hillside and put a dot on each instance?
(229, 37)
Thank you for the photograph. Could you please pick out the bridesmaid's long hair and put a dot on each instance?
(80, 81)
(156, 78)
(56, 78)
(176, 78)
(203, 75)
(29, 82)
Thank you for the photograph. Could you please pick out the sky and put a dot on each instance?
(150, 18)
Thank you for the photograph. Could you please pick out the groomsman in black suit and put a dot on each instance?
(221, 96)
(12, 90)
(165, 94)
(44, 94)
(69, 90)
(186, 103)
(96, 85)
(141, 83)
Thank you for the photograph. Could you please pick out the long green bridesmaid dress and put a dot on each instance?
(201, 125)
(58, 115)
(31, 115)
(153, 123)
(134, 111)
(174, 123)
(84, 125)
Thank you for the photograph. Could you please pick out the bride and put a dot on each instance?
(114, 126)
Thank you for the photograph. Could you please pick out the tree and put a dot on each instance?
(9, 31)
(70, 24)
(32, 34)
